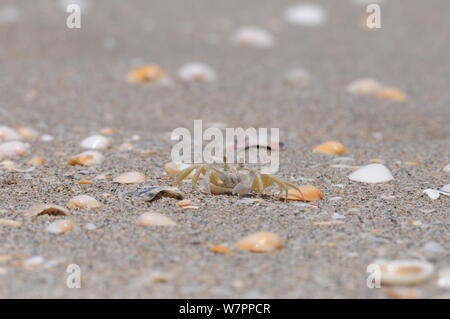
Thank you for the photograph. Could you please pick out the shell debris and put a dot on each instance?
(150, 73)
(252, 36)
(87, 158)
(96, 142)
(45, 209)
(404, 272)
(154, 219)
(8, 134)
(260, 242)
(156, 192)
(83, 201)
(14, 149)
(331, 147)
(197, 72)
(60, 226)
(372, 173)
(306, 14)
(9, 223)
(130, 178)
(219, 249)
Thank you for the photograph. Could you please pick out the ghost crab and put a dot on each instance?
(233, 179)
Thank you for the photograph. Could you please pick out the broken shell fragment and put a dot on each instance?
(306, 14)
(83, 201)
(446, 168)
(219, 249)
(60, 226)
(252, 36)
(156, 192)
(14, 149)
(184, 203)
(88, 158)
(444, 278)
(197, 72)
(432, 193)
(372, 173)
(392, 94)
(8, 134)
(9, 222)
(36, 161)
(404, 272)
(308, 194)
(26, 132)
(96, 142)
(146, 74)
(154, 219)
(260, 242)
(45, 209)
(365, 86)
(331, 147)
(130, 178)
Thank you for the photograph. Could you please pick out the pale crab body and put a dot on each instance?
(232, 179)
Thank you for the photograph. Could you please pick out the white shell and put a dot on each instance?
(306, 14)
(60, 226)
(446, 188)
(372, 173)
(444, 278)
(130, 178)
(404, 272)
(83, 201)
(90, 226)
(154, 219)
(46, 138)
(297, 77)
(96, 142)
(432, 193)
(8, 134)
(446, 168)
(253, 37)
(364, 86)
(14, 149)
(197, 72)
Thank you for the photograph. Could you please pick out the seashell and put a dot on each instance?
(404, 272)
(85, 182)
(108, 131)
(372, 173)
(36, 161)
(307, 14)
(444, 278)
(46, 138)
(309, 193)
(445, 188)
(446, 168)
(96, 142)
(411, 163)
(172, 169)
(219, 249)
(432, 193)
(365, 86)
(402, 293)
(88, 158)
(146, 74)
(154, 219)
(331, 147)
(33, 262)
(8, 134)
(26, 132)
(260, 242)
(14, 149)
(252, 36)
(392, 94)
(197, 72)
(184, 203)
(45, 209)
(130, 178)
(297, 77)
(9, 222)
(83, 201)
(156, 192)
(60, 226)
